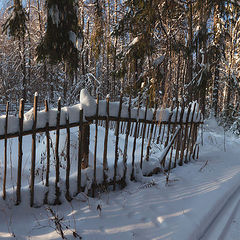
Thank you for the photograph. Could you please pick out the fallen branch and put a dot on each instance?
(205, 164)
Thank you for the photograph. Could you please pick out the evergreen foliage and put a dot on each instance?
(63, 35)
(166, 50)
(15, 25)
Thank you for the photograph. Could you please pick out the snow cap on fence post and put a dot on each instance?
(88, 103)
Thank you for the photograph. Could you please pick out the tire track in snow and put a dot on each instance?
(219, 227)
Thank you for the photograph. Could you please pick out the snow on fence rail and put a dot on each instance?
(174, 129)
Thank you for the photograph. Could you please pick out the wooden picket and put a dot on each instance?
(177, 136)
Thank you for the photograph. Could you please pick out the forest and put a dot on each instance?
(167, 50)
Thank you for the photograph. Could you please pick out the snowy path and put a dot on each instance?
(222, 226)
(233, 232)
(201, 199)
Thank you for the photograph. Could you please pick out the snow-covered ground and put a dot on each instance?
(186, 208)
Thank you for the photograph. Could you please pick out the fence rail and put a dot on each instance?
(175, 130)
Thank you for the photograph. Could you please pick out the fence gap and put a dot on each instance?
(159, 130)
(163, 133)
(47, 151)
(148, 129)
(5, 152)
(117, 140)
(155, 131)
(94, 185)
(151, 132)
(105, 164)
(168, 134)
(179, 138)
(132, 127)
(126, 143)
(175, 121)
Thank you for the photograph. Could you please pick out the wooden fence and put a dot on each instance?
(174, 129)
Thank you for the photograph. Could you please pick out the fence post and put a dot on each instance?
(170, 159)
(190, 134)
(5, 153)
(79, 176)
(194, 137)
(175, 120)
(47, 145)
(116, 145)
(57, 166)
(185, 137)
(33, 150)
(67, 195)
(168, 129)
(20, 153)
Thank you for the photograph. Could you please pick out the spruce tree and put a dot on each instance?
(138, 24)
(15, 26)
(63, 36)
